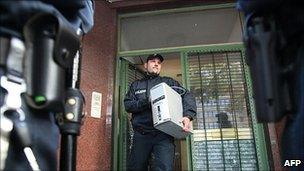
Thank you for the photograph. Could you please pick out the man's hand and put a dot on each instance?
(186, 124)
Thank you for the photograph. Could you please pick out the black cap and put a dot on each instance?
(153, 56)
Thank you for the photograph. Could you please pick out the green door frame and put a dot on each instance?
(258, 128)
(122, 115)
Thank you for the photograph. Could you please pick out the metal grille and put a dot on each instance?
(223, 136)
(132, 74)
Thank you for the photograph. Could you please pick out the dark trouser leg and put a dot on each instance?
(293, 136)
(45, 138)
(163, 151)
(140, 152)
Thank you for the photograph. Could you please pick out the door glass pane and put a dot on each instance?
(180, 29)
(223, 136)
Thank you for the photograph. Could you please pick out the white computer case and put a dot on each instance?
(167, 110)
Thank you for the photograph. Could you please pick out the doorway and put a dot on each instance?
(210, 63)
(131, 69)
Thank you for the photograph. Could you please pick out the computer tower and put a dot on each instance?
(167, 110)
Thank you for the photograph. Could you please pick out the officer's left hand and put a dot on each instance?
(186, 124)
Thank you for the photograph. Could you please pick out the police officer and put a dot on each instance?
(147, 139)
(42, 131)
(287, 54)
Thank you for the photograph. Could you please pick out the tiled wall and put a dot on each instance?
(97, 74)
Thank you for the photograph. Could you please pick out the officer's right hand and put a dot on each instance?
(186, 124)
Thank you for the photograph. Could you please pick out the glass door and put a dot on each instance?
(224, 128)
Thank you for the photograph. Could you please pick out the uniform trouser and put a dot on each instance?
(293, 135)
(44, 135)
(144, 144)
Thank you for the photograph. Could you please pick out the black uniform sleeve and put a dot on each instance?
(134, 105)
(188, 100)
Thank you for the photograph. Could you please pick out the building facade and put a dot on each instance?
(201, 42)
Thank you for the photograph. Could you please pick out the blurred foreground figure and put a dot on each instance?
(39, 41)
(274, 40)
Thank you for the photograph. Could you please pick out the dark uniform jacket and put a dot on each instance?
(137, 100)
